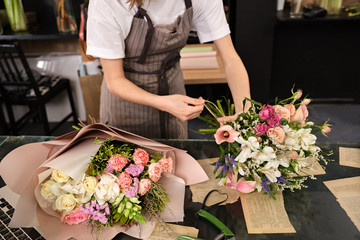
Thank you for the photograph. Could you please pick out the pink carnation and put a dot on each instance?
(261, 129)
(266, 112)
(155, 170)
(76, 216)
(144, 186)
(141, 157)
(118, 162)
(274, 120)
(125, 180)
(167, 164)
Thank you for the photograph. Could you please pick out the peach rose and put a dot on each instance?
(300, 115)
(283, 111)
(276, 134)
(306, 101)
(325, 129)
(76, 216)
(291, 108)
(293, 155)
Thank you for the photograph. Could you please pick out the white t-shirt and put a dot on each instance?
(109, 22)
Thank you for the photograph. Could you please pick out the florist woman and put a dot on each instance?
(138, 43)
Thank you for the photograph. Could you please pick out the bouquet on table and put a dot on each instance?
(268, 147)
(111, 180)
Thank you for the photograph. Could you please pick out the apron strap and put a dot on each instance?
(141, 13)
(188, 4)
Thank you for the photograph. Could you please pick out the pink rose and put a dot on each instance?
(298, 94)
(261, 129)
(118, 162)
(274, 120)
(141, 157)
(276, 134)
(225, 134)
(266, 112)
(306, 101)
(144, 186)
(300, 114)
(125, 180)
(76, 216)
(167, 164)
(155, 170)
(284, 112)
(325, 129)
(291, 108)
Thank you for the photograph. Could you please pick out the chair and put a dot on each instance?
(19, 85)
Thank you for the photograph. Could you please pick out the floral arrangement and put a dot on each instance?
(268, 147)
(121, 185)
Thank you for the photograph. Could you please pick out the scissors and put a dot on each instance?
(225, 231)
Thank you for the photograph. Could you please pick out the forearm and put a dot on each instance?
(238, 81)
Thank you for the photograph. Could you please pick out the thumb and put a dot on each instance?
(194, 101)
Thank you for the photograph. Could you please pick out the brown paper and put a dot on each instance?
(349, 157)
(21, 167)
(164, 231)
(200, 190)
(265, 215)
(91, 87)
(347, 192)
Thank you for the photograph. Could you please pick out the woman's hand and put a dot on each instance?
(226, 119)
(182, 107)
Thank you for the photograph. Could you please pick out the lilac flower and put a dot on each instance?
(108, 169)
(132, 190)
(282, 180)
(266, 187)
(134, 170)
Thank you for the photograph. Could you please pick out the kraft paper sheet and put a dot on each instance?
(200, 190)
(347, 192)
(349, 157)
(24, 168)
(164, 231)
(264, 214)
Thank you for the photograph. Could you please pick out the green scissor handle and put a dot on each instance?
(216, 222)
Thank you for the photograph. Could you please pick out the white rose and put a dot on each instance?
(90, 185)
(107, 189)
(73, 187)
(65, 202)
(59, 176)
(45, 191)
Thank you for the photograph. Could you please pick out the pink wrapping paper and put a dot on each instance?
(20, 170)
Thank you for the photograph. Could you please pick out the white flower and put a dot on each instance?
(59, 176)
(45, 191)
(107, 189)
(271, 173)
(73, 187)
(244, 155)
(90, 184)
(267, 154)
(251, 143)
(306, 138)
(65, 202)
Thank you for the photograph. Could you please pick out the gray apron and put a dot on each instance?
(152, 63)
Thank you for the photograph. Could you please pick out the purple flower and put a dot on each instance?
(282, 180)
(132, 190)
(266, 112)
(266, 187)
(134, 170)
(108, 169)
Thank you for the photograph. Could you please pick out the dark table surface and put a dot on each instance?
(314, 211)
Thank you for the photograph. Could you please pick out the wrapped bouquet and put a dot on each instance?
(102, 177)
(268, 147)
